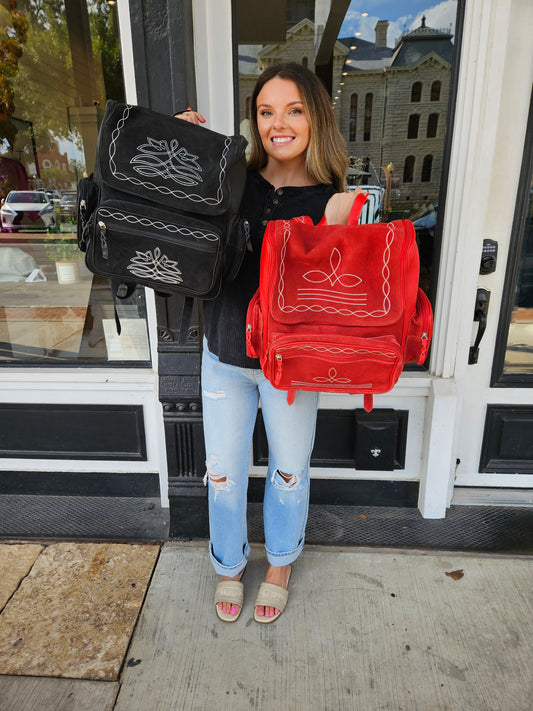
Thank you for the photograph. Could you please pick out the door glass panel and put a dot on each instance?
(388, 68)
(519, 350)
(59, 63)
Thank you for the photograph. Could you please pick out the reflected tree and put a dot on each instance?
(64, 57)
(13, 35)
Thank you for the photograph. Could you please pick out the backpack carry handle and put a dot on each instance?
(357, 207)
(355, 212)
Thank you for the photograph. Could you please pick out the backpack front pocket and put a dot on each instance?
(151, 249)
(347, 365)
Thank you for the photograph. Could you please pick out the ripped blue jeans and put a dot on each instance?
(230, 397)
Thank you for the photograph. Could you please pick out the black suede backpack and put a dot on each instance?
(161, 208)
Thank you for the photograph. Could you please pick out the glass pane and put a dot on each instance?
(519, 351)
(389, 78)
(59, 64)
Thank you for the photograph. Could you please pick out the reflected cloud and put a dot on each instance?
(439, 16)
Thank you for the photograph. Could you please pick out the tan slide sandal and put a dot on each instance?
(270, 595)
(229, 591)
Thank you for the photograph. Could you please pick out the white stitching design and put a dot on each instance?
(333, 377)
(299, 383)
(158, 225)
(317, 276)
(163, 189)
(328, 295)
(337, 350)
(168, 161)
(155, 265)
(356, 301)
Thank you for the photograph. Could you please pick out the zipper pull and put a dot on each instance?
(81, 213)
(246, 229)
(248, 334)
(103, 239)
(279, 367)
(424, 349)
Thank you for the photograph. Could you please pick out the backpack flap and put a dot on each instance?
(173, 163)
(327, 272)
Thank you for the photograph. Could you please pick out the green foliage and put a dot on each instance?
(61, 248)
(13, 34)
(43, 87)
(106, 45)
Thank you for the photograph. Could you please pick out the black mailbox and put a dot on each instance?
(379, 438)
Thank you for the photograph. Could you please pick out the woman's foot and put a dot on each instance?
(228, 607)
(276, 575)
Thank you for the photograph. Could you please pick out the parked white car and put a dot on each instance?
(27, 210)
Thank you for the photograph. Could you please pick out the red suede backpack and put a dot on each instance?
(338, 307)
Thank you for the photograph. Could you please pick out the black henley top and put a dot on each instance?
(225, 316)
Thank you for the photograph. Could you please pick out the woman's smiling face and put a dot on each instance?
(281, 120)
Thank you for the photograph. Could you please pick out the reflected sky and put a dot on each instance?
(403, 15)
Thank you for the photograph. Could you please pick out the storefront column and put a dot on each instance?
(164, 68)
(436, 472)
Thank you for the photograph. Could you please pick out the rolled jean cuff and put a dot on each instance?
(279, 559)
(225, 570)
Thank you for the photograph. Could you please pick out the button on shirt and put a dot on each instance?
(225, 316)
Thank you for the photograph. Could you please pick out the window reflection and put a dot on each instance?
(435, 91)
(369, 99)
(426, 169)
(519, 351)
(433, 122)
(59, 64)
(412, 129)
(389, 78)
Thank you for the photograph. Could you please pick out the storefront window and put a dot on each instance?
(391, 60)
(59, 63)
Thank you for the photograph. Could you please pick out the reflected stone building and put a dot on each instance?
(390, 103)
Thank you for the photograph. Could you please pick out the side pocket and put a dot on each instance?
(87, 203)
(254, 328)
(420, 331)
(238, 243)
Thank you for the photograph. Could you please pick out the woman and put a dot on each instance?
(297, 166)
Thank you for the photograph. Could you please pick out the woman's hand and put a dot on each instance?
(339, 207)
(191, 117)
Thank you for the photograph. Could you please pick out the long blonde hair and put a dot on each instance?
(325, 160)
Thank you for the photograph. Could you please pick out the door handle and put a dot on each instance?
(480, 314)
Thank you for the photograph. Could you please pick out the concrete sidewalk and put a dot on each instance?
(364, 629)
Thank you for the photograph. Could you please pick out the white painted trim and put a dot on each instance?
(158, 438)
(496, 480)
(491, 108)
(493, 103)
(126, 50)
(473, 144)
(89, 386)
(474, 174)
(467, 496)
(213, 59)
(438, 462)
